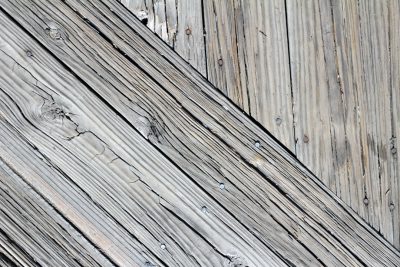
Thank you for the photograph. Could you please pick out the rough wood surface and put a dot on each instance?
(178, 22)
(322, 77)
(213, 188)
(342, 78)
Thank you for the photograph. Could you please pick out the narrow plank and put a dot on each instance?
(310, 81)
(248, 60)
(365, 84)
(28, 220)
(262, 162)
(147, 195)
(394, 159)
(178, 22)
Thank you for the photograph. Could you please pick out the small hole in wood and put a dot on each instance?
(204, 209)
(221, 186)
(278, 121)
(29, 53)
(188, 31)
(220, 62)
(306, 139)
(163, 246)
(257, 144)
(145, 21)
(391, 207)
(366, 201)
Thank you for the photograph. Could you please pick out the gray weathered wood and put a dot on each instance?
(178, 22)
(198, 129)
(331, 46)
(153, 202)
(343, 78)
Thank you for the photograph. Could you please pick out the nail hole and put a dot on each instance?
(221, 186)
(278, 121)
(366, 201)
(220, 62)
(188, 31)
(305, 139)
(145, 21)
(257, 144)
(204, 209)
(391, 206)
(163, 246)
(29, 53)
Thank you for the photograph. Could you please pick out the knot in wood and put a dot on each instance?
(54, 33)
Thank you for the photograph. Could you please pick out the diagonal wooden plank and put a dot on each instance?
(28, 220)
(258, 161)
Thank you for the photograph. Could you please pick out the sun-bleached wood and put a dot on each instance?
(199, 130)
(178, 22)
(320, 75)
(149, 198)
(342, 77)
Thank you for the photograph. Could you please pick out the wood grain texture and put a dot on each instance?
(178, 22)
(320, 75)
(343, 78)
(247, 59)
(198, 129)
(147, 196)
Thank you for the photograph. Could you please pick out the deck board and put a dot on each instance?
(94, 105)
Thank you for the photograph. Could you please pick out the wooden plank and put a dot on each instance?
(203, 133)
(247, 59)
(178, 22)
(394, 169)
(28, 220)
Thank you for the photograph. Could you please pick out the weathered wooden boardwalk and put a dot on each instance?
(114, 151)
